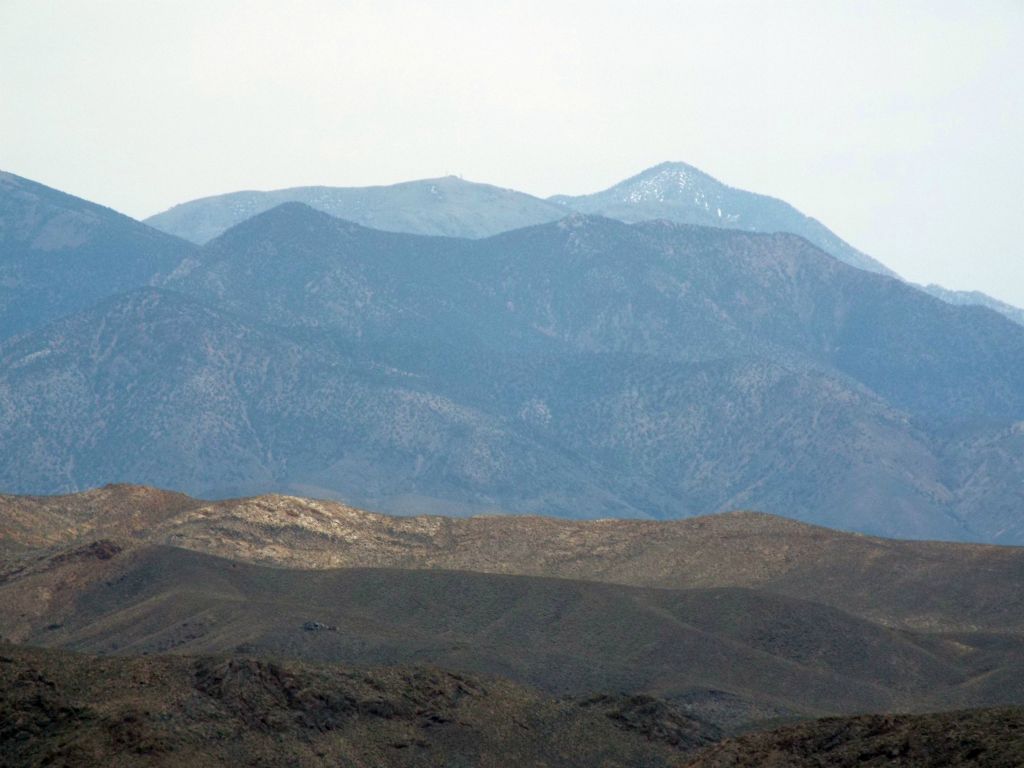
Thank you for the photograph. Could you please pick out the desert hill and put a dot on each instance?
(560, 635)
(739, 619)
(910, 584)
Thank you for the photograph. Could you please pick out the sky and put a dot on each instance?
(898, 125)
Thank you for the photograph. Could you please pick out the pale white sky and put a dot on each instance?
(899, 125)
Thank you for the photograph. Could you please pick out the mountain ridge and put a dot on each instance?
(439, 206)
(199, 220)
(81, 710)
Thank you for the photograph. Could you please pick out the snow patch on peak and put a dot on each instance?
(673, 181)
(655, 187)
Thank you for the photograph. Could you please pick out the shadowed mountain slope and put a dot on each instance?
(916, 585)
(685, 293)
(593, 285)
(60, 254)
(446, 206)
(61, 708)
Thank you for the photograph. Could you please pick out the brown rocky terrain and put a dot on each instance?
(991, 738)
(677, 631)
(62, 709)
(770, 653)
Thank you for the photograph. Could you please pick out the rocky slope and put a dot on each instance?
(155, 385)
(979, 739)
(64, 709)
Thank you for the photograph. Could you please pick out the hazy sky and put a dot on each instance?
(898, 124)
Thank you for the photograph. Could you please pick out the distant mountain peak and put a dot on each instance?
(672, 170)
(60, 254)
(682, 193)
(674, 182)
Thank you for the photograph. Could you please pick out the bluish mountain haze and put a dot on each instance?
(59, 254)
(968, 298)
(583, 368)
(446, 206)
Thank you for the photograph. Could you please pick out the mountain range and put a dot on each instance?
(445, 206)
(584, 367)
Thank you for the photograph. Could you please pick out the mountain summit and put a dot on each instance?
(679, 192)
